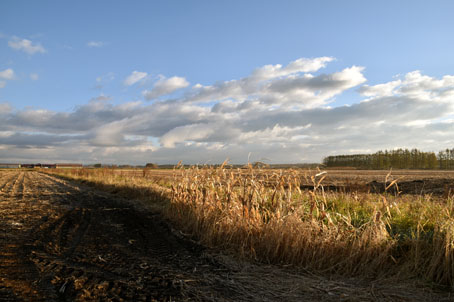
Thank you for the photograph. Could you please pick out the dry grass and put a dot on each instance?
(266, 216)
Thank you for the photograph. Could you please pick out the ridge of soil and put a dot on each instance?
(63, 241)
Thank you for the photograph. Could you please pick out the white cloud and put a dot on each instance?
(312, 91)
(26, 46)
(135, 77)
(165, 86)
(386, 89)
(297, 66)
(7, 74)
(95, 44)
(34, 76)
(276, 112)
(413, 84)
(290, 86)
(185, 133)
(108, 135)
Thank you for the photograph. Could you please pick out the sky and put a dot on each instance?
(132, 82)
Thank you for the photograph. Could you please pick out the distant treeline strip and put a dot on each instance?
(398, 159)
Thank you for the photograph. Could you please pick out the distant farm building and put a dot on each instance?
(27, 165)
(68, 166)
(39, 165)
(48, 166)
(9, 166)
(45, 166)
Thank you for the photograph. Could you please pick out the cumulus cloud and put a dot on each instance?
(386, 89)
(289, 86)
(413, 84)
(110, 134)
(277, 112)
(135, 77)
(7, 74)
(297, 66)
(34, 76)
(95, 44)
(186, 133)
(165, 86)
(310, 91)
(26, 46)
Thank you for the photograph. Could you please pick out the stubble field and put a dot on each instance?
(417, 182)
(177, 236)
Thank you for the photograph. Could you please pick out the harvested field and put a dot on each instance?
(63, 241)
(417, 182)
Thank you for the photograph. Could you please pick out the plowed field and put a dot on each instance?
(62, 241)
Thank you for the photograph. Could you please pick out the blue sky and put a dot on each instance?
(59, 57)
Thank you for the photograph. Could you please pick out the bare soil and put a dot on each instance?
(416, 182)
(63, 241)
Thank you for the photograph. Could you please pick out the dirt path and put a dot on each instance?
(61, 241)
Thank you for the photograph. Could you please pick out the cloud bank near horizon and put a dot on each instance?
(280, 114)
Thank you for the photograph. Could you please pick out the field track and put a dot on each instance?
(62, 241)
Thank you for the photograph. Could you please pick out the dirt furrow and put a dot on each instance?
(17, 272)
(12, 186)
(7, 181)
(54, 239)
(18, 186)
(27, 191)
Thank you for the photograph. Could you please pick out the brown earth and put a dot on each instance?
(416, 182)
(63, 241)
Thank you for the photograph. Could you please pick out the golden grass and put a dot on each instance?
(266, 216)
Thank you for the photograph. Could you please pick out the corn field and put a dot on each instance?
(265, 215)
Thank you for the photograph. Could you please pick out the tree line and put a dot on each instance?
(397, 159)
